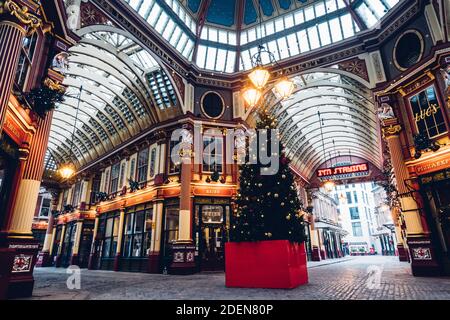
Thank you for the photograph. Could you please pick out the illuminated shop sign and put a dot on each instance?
(427, 113)
(344, 172)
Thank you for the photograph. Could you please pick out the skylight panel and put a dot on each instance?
(162, 22)
(230, 61)
(221, 60)
(289, 21)
(302, 37)
(309, 13)
(154, 14)
(336, 31)
(201, 56)
(211, 58)
(279, 24)
(313, 38)
(330, 6)
(367, 15)
(168, 30)
(283, 48)
(145, 7)
(292, 44)
(320, 9)
(175, 36)
(299, 17)
(347, 25)
(324, 33)
(232, 38)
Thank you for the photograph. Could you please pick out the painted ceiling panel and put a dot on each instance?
(222, 12)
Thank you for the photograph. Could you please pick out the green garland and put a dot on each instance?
(44, 100)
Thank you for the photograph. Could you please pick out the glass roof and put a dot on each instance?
(347, 122)
(211, 33)
(124, 91)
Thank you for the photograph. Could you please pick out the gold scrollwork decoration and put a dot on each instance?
(391, 130)
(21, 13)
(54, 85)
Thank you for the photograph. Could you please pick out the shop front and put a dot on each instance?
(434, 182)
(72, 240)
(9, 161)
(211, 232)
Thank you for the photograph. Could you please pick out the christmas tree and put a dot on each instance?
(267, 206)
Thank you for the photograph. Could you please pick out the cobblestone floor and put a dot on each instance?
(329, 280)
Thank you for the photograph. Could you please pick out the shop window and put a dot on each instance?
(25, 59)
(45, 207)
(122, 174)
(349, 197)
(427, 113)
(212, 153)
(142, 169)
(109, 233)
(132, 168)
(171, 223)
(152, 162)
(115, 172)
(354, 213)
(107, 181)
(76, 195)
(355, 195)
(138, 232)
(95, 188)
(357, 229)
(65, 196)
(173, 167)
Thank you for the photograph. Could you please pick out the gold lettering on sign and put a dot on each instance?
(432, 110)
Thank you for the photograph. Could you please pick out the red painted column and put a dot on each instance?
(421, 249)
(18, 229)
(12, 32)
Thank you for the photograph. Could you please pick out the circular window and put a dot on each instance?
(213, 105)
(408, 50)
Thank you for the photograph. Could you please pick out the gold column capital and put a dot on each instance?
(21, 13)
(54, 85)
(391, 130)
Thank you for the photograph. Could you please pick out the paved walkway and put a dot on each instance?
(371, 278)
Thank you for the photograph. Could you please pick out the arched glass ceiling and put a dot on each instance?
(348, 126)
(222, 28)
(124, 91)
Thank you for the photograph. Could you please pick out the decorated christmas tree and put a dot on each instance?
(267, 206)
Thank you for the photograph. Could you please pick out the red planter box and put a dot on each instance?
(276, 264)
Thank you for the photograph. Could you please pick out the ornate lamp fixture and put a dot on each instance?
(260, 75)
(251, 96)
(284, 87)
(67, 170)
(329, 185)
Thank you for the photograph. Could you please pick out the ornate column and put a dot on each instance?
(184, 250)
(154, 256)
(44, 256)
(28, 192)
(423, 259)
(15, 22)
(75, 260)
(93, 254)
(119, 240)
(60, 246)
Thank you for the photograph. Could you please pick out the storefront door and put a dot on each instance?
(213, 248)
(8, 166)
(437, 198)
(212, 235)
